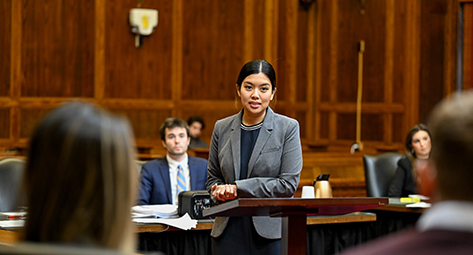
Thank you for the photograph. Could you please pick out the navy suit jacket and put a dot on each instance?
(155, 186)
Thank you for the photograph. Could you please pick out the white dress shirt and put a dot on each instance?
(173, 176)
(447, 215)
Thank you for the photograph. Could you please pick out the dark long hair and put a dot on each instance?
(419, 127)
(80, 179)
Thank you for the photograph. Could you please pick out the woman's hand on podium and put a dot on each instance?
(224, 192)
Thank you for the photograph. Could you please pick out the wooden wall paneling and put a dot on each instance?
(271, 19)
(354, 26)
(5, 71)
(451, 47)
(324, 117)
(321, 119)
(388, 67)
(5, 124)
(370, 133)
(412, 63)
(399, 57)
(432, 75)
(345, 123)
(287, 52)
(146, 123)
(467, 62)
(99, 50)
(144, 115)
(398, 134)
(212, 48)
(29, 117)
(249, 19)
(392, 66)
(255, 28)
(332, 84)
(400, 84)
(5, 53)
(337, 165)
(326, 15)
(346, 173)
(302, 93)
(15, 71)
(62, 50)
(177, 53)
(302, 116)
(302, 54)
(138, 73)
(57, 48)
(311, 70)
(210, 115)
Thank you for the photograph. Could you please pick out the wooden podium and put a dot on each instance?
(294, 212)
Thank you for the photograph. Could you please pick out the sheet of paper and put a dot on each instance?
(421, 197)
(419, 205)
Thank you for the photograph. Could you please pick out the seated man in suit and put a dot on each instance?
(163, 179)
(447, 227)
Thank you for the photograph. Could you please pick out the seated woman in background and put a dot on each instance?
(80, 180)
(418, 145)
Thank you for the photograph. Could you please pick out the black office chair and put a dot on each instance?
(379, 171)
(11, 173)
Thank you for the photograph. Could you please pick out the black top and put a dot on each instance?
(249, 134)
(197, 143)
(403, 183)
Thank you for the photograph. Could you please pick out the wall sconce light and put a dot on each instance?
(142, 22)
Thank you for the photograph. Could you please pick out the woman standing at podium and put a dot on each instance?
(255, 153)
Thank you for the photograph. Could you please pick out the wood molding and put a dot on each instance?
(99, 52)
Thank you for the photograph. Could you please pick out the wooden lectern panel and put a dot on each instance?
(294, 213)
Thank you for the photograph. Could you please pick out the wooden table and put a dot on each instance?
(399, 208)
(294, 212)
(11, 236)
(311, 220)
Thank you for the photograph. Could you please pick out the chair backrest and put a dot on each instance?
(11, 173)
(140, 164)
(379, 171)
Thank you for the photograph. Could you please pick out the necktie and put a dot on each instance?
(181, 180)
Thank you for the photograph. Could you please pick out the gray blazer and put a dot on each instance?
(273, 170)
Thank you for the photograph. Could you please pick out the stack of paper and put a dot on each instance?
(185, 222)
(153, 211)
(12, 224)
(421, 203)
(12, 215)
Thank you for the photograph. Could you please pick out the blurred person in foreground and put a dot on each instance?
(79, 184)
(447, 227)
